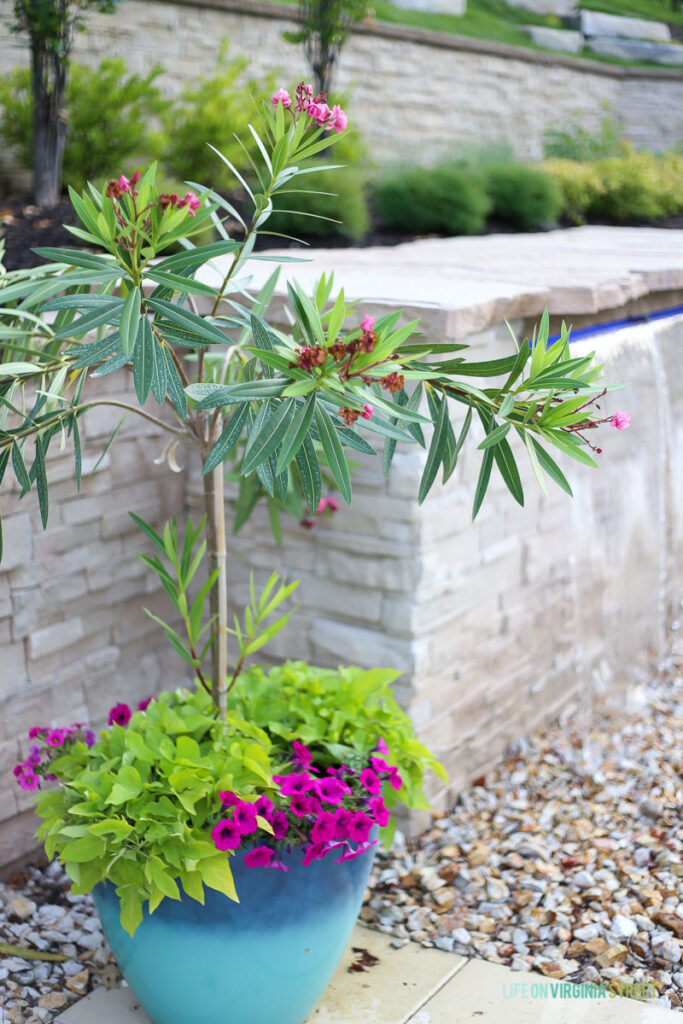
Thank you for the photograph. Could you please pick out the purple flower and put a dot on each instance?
(245, 817)
(395, 780)
(351, 854)
(226, 835)
(89, 738)
(120, 714)
(264, 807)
(294, 785)
(144, 704)
(259, 857)
(300, 806)
(379, 811)
(18, 770)
(331, 791)
(359, 827)
(36, 731)
(34, 756)
(324, 828)
(370, 781)
(280, 824)
(344, 819)
(29, 780)
(56, 737)
(302, 754)
(316, 851)
(382, 747)
(379, 765)
(228, 798)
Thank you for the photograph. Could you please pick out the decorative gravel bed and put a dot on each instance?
(562, 864)
(553, 866)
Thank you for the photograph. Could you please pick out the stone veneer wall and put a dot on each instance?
(73, 637)
(413, 91)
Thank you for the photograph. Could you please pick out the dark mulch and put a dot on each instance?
(25, 227)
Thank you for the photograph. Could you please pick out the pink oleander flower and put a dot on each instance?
(379, 811)
(245, 817)
(190, 200)
(144, 704)
(226, 835)
(367, 323)
(120, 714)
(331, 791)
(259, 857)
(56, 737)
(321, 506)
(124, 183)
(264, 807)
(294, 785)
(370, 781)
(319, 111)
(135, 179)
(360, 826)
(324, 828)
(304, 95)
(338, 120)
(283, 97)
(29, 780)
(367, 412)
(228, 798)
(621, 420)
(280, 824)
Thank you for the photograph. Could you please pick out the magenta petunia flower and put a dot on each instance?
(316, 851)
(341, 831)
(294, 785)
(379, 765)
(379, 811)
(36, 731)
(264, 807)
(18, 770)
(259, 857)
(29, 780)
(382, 747)
(280, 824)
(226, 835)
(324, 828)
(56, 737)
(120, 714)
(370, 781)
(331, 791)
(89, 738)
(228, 798)
(301, 752)
(300, 805)
(144, 704)
(351, 854)
(34, 756)
(395, 780)
(245, 817)
(360, 827)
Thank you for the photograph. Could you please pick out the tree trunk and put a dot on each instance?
(49, 124)
(214, 503)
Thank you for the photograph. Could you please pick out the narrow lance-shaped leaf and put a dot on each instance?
(143, 360)
(269, 437)
(334, 453)
(227, 441)
(437, 450)
(296, 432)
(309, 471)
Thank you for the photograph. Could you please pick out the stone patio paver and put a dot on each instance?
(414, 985)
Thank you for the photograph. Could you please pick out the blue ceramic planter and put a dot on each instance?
(266, 960)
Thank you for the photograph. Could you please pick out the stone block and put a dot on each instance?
(562, 40)
(597, 23)
(56, 637)
(16, 533)
(455, 7)
(559, 7)
(341, 644)
(12, 669)
(636, 49)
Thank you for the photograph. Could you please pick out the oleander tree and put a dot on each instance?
(282, 406)
(50, 26)
(325, 27)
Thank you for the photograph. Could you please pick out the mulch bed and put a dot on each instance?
(24, 227)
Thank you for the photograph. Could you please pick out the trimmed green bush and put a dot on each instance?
(525, 197)
(217, 108)
(580, 186)
(300, 213)
(639, 187)
(109, 115)
(446, 200)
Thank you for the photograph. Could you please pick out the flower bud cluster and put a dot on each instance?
(50, 744)
(315, 107)
(321, 812)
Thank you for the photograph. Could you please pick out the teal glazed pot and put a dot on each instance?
(264, 960)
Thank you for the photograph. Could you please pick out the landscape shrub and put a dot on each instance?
(215, 109)
(109, 114)
(525, 197)
(639, 187)
(580, 186)
(574, 142)
(447, 200)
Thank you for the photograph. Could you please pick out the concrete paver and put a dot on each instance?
(413, 985)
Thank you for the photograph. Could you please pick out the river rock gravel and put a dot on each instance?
(566, 860)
